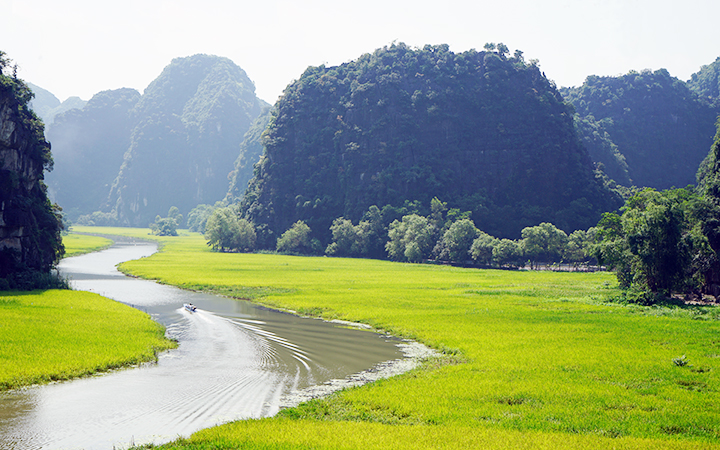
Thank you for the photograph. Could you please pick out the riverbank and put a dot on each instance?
(532, 359)
(62, 334)
(58, 334)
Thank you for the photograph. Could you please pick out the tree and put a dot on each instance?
(482, 248)
(345, 239)
(174, 214)
(578, 242)
(410, 240)
(654, 243)
(198, 216)
(457, 241)
(4, 61)
(223, 231)
(502, 49)
(296, 239)
(507, 252)
(167, 226)
(164, 226)
(544, 242)
(372, 233)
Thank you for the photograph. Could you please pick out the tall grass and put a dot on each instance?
(532, 359)
(61, 334)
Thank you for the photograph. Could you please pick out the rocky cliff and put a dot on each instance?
(29, 225)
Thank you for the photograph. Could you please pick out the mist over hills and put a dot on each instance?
(88, 147)
(190, 123)
(47, 106)
(134, 156)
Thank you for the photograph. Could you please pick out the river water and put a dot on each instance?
(235, 360)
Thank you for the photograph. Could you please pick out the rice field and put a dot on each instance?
(531, 359)
(78, 244)
(60, 334)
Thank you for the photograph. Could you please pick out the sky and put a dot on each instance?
(82, 47)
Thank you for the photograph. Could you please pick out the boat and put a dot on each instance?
(190, 307)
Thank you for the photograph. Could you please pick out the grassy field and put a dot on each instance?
(60, 334)
(532, 359)
(78, 244)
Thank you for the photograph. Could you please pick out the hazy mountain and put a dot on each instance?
(88, 146)
(47, 106)
(190, 123)
(648, 124)
(479, 130)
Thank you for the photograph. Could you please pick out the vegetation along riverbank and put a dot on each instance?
(531, 359)
(59, 334)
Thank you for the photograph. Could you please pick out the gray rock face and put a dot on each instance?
(29, 226)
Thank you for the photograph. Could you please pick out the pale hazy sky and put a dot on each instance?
(81, 47)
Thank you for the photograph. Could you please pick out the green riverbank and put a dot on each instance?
(532, 359)
(62, 334)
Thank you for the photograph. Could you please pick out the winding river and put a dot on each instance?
(235, 360)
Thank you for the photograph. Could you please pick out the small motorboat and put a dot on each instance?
(190, 307)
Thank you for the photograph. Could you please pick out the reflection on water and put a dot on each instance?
(234, 360)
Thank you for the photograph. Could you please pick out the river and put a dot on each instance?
(235, 360)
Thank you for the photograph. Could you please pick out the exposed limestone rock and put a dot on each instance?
(29, 225)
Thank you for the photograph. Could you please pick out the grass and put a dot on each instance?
(79, 244)
(532, 359)
(60, 334)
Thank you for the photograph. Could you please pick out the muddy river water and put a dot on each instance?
(235, 360)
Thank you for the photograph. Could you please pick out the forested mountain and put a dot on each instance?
(47, 106)
(190, 122)
(481, 131)
(88, 147)
(30, 241)
(647, 128)
(706, 83)
(250, 151)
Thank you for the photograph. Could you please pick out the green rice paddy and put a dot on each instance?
(531, 359)
(78, 244)
(60, 334)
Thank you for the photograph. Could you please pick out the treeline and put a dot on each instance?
(666, 242)
(404, 234)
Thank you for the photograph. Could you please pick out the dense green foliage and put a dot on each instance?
(167, 226)
(251, 149)
(654, 243)
(484, 132)
(706, 83)
(224, 231)
(648, 124)
(667, 242)
(532, 359)
(60, 334)
(88, 146)
(198, 216)
(30, 242)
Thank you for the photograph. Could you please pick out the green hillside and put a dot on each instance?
(481, 131)
(652, 130)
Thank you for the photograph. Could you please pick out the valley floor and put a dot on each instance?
(529, 359)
